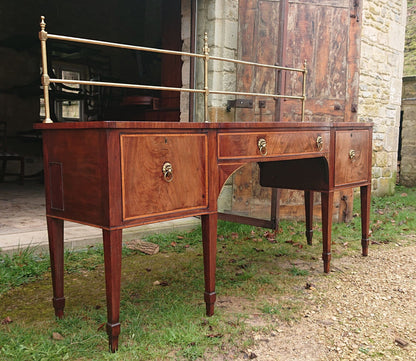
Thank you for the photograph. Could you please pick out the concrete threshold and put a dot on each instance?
(81, 236)
(23, 222)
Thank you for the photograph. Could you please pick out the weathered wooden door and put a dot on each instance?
(258, 41)
(325, 33)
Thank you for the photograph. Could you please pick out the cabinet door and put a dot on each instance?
(149, 187)
(351, 156)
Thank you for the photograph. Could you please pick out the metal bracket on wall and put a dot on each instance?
(239, 103)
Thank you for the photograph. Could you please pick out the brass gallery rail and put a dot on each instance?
(46, 80)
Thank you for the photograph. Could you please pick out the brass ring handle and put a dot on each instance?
(352, 154)
(262, 144)
(319, 142)
(167, 171)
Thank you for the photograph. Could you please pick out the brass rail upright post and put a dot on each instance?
(43, 36)
(305, 71)
(206, 88)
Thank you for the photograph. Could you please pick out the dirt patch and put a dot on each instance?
(365, 309)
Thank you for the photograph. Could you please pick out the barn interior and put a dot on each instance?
(150, 23)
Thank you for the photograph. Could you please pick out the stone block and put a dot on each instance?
(376, 172)
(386, 186)
(382, 159)
(225, 198)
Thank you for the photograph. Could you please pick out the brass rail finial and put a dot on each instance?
(206, 47)
(42, 23)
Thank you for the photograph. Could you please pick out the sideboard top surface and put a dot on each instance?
(194, 126)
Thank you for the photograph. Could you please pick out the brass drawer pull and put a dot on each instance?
(319, 142)
(352, 154)
(262, 144)
(167, 171)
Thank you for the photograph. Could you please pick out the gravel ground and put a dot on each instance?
(365, 309)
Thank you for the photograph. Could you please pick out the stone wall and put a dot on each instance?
(220, 20)
(408, 145)
(382, 45)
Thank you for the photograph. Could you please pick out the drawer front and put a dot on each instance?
(259, 145)
(351, 156)
(163, 173)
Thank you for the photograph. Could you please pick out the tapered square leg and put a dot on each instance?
(112, 262)
(309, 216)
(365, 193)
(327, 202)
(209, 240)
(56, 253)
(275, 208)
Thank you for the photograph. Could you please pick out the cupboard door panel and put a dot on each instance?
(149, 187)
(351, 156)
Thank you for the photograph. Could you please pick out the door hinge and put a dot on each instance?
(355, 14)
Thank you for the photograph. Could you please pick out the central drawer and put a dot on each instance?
(258, 145)
(163, 173)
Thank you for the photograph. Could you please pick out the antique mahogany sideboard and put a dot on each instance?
(118, 174)
(114, 175)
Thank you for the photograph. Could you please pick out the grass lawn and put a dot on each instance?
(162, 308)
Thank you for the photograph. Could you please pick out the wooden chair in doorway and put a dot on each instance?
(6, 156)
